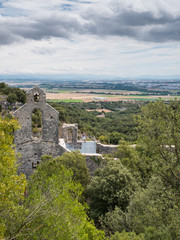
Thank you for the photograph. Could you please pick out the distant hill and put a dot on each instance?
(78, 77)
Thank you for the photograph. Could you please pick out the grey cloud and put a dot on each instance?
(6, 37)
(37, 29)
(105, 26)
(144, 26)
(169, 32)
(144, 18)
(52, 26)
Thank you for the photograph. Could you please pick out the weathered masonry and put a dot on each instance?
(32, 148)
(69, 132)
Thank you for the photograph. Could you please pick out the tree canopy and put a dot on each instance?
(13, 94)
(12, 185)
(159, 127)
(52, 209)
(111, 186)
(46, 206)
(152, 208)
(73, 161)
(134, 195)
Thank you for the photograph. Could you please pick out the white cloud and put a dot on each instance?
(117, 37)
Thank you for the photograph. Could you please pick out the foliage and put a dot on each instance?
(115, 137)
(155, 206)
(74, 161)
(12, 185)
(127, 236)
(103, 139)
(160, 134)
(12, 98)
(134, 196)
(152, 210)
(14, 94)
(37, 122)
(113, 185)
(117, 125)
(113, 221)
(37, 118)
(160, 234)
(51, 209)
(135, 159)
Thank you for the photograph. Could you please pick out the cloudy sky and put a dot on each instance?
(114, 37)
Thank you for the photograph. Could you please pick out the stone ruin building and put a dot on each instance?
(32, 148)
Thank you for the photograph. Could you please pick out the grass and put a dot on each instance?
(152, 99)
(57, 91)
(141, 99)
(64, 100)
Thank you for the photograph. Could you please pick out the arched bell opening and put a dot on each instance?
(36, 97)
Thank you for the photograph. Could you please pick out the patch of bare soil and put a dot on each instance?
(99, 110)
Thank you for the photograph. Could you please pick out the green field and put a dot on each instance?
(57, 91)
(141, 99)
(64, 100)
(152, 99)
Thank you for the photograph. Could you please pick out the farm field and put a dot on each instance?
(73, 96)
(64, 100)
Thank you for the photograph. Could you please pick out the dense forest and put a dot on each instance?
(134, 195)
(116, 125)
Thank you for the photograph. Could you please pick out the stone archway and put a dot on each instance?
(69, 132)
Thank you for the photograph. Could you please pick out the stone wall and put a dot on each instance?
(93, 161)
(105, 149)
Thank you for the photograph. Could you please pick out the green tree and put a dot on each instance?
(160, 134)
(152, 233)
(12, 185)
(115, 137)
(135, 159)
(155, 211)
(51, 209)
(114, 221)
(2, 85)
(127, 236)
(76, 162)
(21, 95)
(154, 208)
(12, 98)
(113, 185)
(103, 139)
